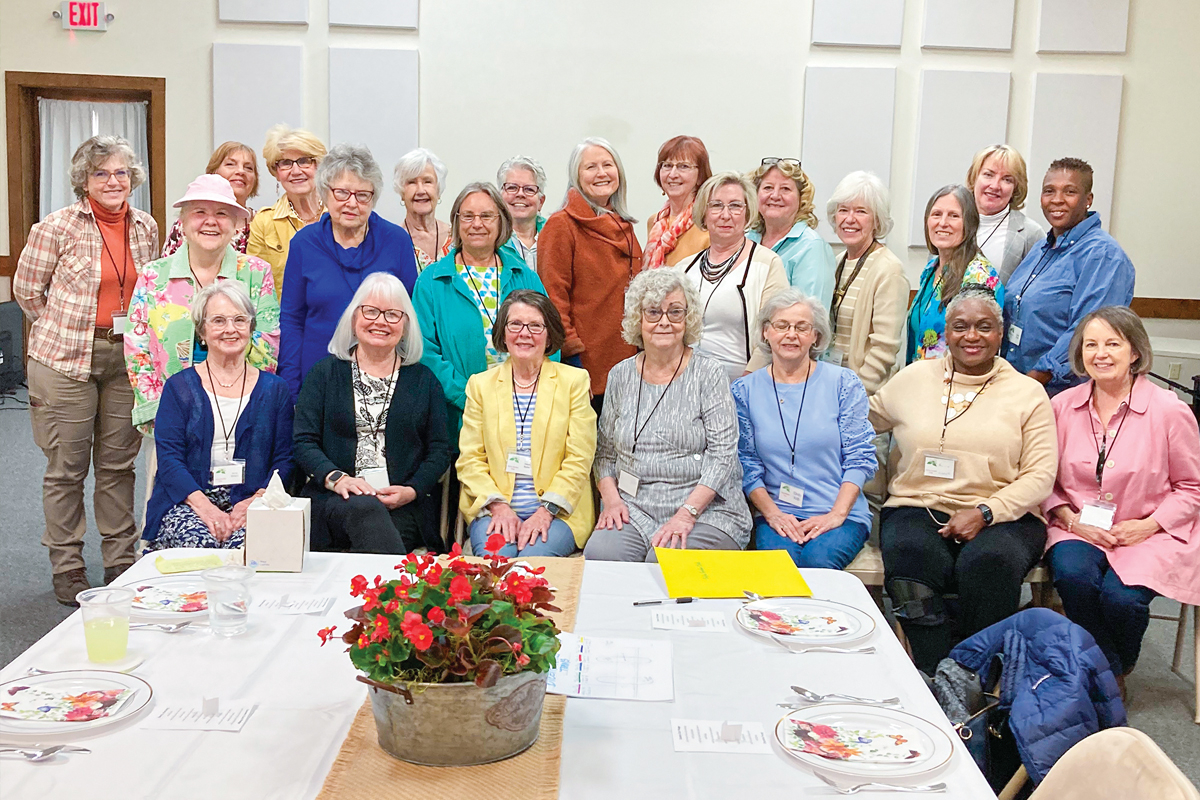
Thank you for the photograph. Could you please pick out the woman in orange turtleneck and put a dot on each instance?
(74, 281)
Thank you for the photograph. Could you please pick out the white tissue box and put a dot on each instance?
(277, 538)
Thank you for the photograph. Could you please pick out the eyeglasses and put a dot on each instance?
(285, 164)
(802, 328)
(734, 208)
(772, 161)
(487, 217)
(392, 316)
(529, 190)
(241, 322)
(342, 195)
(677, 166)
(103, 175)
(535, 328)
(674, 314)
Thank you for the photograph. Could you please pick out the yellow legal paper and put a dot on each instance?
(170, 566)
(729, 573)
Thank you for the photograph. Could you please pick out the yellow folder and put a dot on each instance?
(729, 573)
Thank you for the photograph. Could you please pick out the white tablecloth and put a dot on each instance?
(307, 698)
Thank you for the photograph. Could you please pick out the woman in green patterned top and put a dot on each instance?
(456, 298)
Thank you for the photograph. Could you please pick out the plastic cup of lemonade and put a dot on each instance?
(106, 622)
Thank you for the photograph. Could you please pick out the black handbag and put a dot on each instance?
(986, 733)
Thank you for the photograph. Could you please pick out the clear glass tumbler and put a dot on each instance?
(106, 622)
(228, 590)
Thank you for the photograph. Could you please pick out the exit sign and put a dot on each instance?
(83, 16)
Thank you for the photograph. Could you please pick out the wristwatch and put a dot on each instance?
(553, 508)
(987, 514)
(333, 478)
(691, 509)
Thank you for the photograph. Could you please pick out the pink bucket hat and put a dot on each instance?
(213, 188)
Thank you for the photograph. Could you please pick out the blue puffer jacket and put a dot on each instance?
(1055, 682)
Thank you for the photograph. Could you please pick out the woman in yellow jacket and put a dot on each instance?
(528, 439)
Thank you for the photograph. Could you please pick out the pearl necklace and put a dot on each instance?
(320, 210)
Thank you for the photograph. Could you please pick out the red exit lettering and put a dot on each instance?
(84, 14)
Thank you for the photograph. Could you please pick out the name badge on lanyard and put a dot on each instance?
(118, 324)
(792, 495)
(377, 477)
(628, 483)
(231, 474)
(940, 465)
(519, 463)
(1098, 514)
(1014, 335)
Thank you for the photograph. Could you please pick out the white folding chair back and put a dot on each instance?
(1116, 764)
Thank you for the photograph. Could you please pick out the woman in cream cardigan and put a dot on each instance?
(975, 455)
(528, 439)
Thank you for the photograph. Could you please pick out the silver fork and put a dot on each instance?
(878, 787)
(165, 627)
(813, 697)
(43, 753)
(823, 649)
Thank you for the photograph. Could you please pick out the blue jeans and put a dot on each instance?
(1094, 597)
(560, 540)
(833, 549)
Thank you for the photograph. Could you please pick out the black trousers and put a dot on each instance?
(363, 524)
(986, 573)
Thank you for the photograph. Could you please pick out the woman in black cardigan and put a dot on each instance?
(370, 429)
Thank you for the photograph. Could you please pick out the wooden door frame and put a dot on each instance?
(21, 90)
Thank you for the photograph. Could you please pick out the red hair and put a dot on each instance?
(687, 148)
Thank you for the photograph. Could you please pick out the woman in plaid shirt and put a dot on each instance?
(74, 281)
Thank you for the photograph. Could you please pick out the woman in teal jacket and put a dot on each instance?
(457, 297)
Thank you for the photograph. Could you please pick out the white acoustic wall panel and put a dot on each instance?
(374, 13)
(863, 23)
(1080, 116)
(373, 101)
(285, 11)
(960, 114)
(242, 111)
(1083, 26)
(848, 113)
(969, 24)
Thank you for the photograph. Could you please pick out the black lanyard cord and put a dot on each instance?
(946, 419)
(528, 403)
(226, 433)
(1104, 449)
(839, 291)
(792, 442)
(475, 285)
(378, 423)
(999, 225)
(124, 260)
(1033, 276)
(637, 432)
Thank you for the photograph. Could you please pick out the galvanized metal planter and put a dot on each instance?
(458, 724)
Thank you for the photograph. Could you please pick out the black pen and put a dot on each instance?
(664, 602)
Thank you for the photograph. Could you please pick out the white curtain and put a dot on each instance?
(66, 124)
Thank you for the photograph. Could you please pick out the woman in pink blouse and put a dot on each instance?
(1123, 514)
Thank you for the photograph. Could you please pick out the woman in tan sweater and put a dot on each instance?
(963, 514)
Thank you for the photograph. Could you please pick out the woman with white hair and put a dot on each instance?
(522, 183)
(420, 179)
(666, 452)
(588, 253)
(815, 510)
(329, 261)
(74, 281)
(291, 156)
(370, 428)
(870, 292)
(734, 275)
(224, 428)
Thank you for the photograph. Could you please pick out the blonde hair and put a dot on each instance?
(700, 207)
(283, 137)
(1013, 162)
(224, 151)
(806, 210)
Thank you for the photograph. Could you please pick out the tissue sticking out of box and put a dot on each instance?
(275, 496)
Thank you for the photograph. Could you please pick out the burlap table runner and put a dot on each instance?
(362, 769)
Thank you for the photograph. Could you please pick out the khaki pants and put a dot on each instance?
(74, 423)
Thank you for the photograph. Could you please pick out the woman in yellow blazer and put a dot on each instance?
(528, 439)
(291, 156)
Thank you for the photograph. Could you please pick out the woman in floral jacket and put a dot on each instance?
(161, 339)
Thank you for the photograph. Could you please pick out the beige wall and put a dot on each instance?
(500, 77)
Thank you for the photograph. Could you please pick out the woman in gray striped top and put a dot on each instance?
(666, 454)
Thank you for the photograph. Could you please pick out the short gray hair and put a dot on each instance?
(523, 162)
(618, 198)
(355, 159)
(412, 164)
(233, 291)
(977, 291)
(384, 284)
(786, 298)
(650, 288)
(94, 152)
(700, 206)
(1128, 326)
(865, 187)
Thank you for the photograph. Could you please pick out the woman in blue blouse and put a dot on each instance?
(804, 440)
(328, 260)
(951, 225)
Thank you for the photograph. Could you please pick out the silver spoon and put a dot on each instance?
(813, 697)
(878, 787)
(165, 627)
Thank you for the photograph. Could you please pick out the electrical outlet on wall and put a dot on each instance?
(1174, 369)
